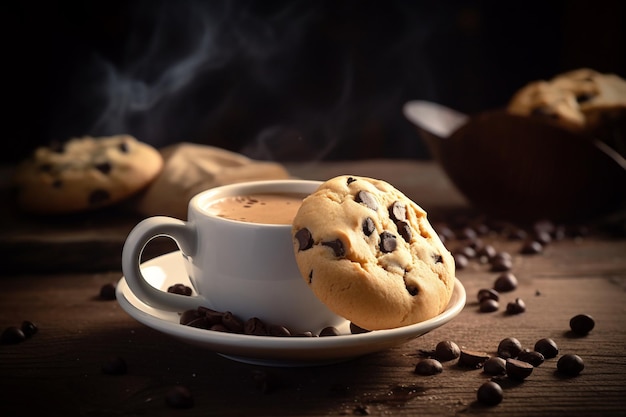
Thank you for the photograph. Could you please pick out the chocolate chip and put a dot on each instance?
(570, 364)
(516, 307)
(509, 347)
(329, 331)
(447, 350)
(107, 291)
(114, 366)
(516, 369)
(179, 397)
(437, 258)
(388, 242)
(581, 324)
(98, 197)
(412, 289)
(532, 357)
(367, 199)
(547, 347)
(12, 335)
(584, 97)
(104, 167)
(404, 230)
(310, 276)
(123, 147)
(337, 246)
(495, 366)
(490, 393)
(368, 226)
(29, 328)
(304, 238)
(256, 327)
(180, 289)
(397, 211)
(505, 282)
(428, 367)
(472, 359)
(351, 180)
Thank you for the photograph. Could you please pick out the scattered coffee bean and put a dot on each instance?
(232, 322)
(486, 253)
(516, 307)
(532, 357)
(12, 335)
(531, 247)
(517, 234)
(329, 331)
(547, 347)
(505, 282)
(107, 291)
(305, 334)
(509, 347)
(472, 359)
(487, 293)
(447, 350)
(461, 261)
(467, 233)
(582, 324)
(179, 397)
(354, 329)
(279, 331)
(188, 316)
(180, 289)
(28, 328)
(254, 326)
(488, 306)
(490, 393)
(428, 367)
(466, 251)
(200, 323)
(543, 237)
(494, 366)
(114, 366)
(516, 369)
(501, 262)
(570, 364)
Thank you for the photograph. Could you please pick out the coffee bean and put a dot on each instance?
(304, 238)
(495, 366)
(487, 293)
(505, 282)
(305, 334)
(447, 350)
(516, 369)
(114, 365)
(179, 397)
(488, 306)
(337, 247)
(368, 199)
(354, 329)
(516, 234)
(516, 307)
(509, 347)
(532, 357)
(500, 264)
(279, 331)
(107, 291)
(188, 316)
(547, 347)
(29, 328)
(254, 326)
(582, 324)
(460, 261)
(200, 323)
(12, 335)
(531, 247)
(216, 317)
(490, 393)
(180, 289)
(329, 331)
(472, 359)
(486, 253)
(428, 367)
(570, 364)
(467, 233)
(388, 242)
(232, 322)
(543, 237)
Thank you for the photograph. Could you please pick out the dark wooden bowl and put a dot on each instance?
(521, 168)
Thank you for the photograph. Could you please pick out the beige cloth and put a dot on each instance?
(191, 168)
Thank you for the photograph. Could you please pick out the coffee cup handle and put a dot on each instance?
(184, 234)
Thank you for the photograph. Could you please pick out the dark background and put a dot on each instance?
(283, 80)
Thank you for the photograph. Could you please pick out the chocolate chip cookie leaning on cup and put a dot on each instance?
(370, 254)
(85, 173)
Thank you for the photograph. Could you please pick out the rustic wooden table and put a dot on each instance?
(55, 271)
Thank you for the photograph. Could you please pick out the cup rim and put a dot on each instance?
(199, 201)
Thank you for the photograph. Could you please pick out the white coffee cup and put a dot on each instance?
(246, 268)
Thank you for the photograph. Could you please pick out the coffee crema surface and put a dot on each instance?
(267, 208)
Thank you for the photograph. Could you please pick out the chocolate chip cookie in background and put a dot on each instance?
(370, 254)
(85, 173)
(583, 100)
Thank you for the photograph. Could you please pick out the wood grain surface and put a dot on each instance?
(58, 370)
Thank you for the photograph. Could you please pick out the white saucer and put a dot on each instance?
(169, 269)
